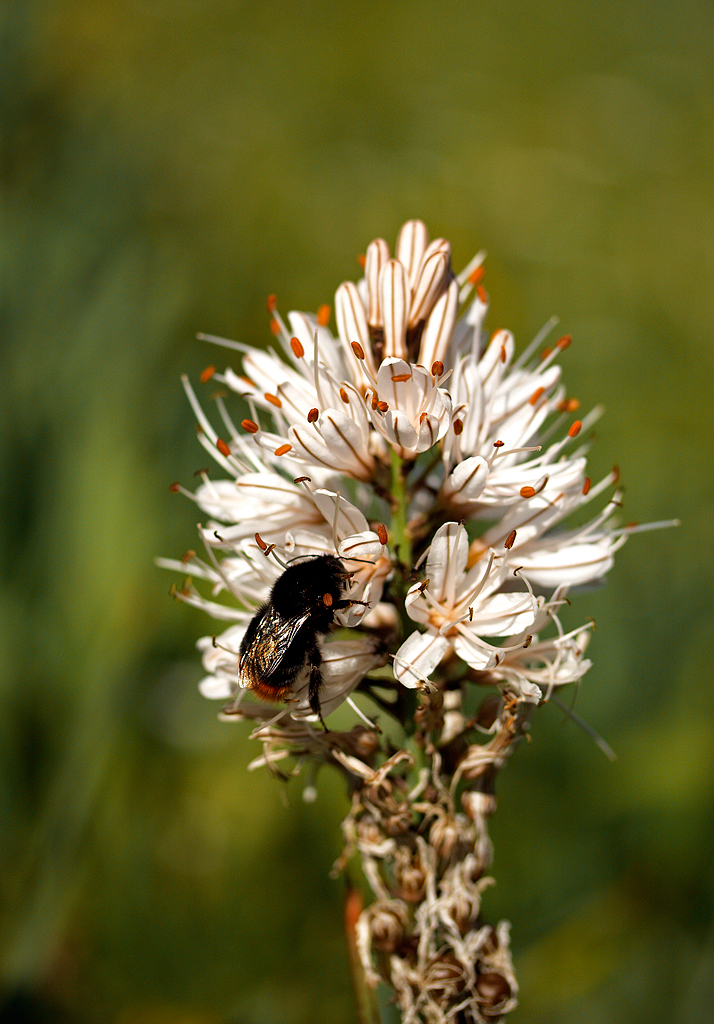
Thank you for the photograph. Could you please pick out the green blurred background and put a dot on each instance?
(167, 164)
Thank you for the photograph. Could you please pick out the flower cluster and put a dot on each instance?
(429, 459)
(438, 470)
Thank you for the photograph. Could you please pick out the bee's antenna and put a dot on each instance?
(268, 550)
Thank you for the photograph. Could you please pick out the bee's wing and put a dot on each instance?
(269, 643)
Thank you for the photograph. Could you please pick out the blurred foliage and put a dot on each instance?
(167, 164)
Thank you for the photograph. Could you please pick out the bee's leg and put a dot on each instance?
(314, 657)
(340, 606)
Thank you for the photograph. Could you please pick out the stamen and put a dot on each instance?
(568, 405)
(344, 396)
(575, 429)
(382, 534)
(273, 399)
(437, 368)
(527, 492)
(250, 426)
(586, 485)
(458, 427)
(223, 447)
(283, 449)
(297, 348)
(207, 374)
(510, 540)
(315, 371)
(323, 315)
(358, 350)
(313, 416)
(401, 377)
(477, 275)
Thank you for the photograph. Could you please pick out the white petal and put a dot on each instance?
(394, 303)
(215, 688)
(344, 438)
(418, 656)
(349, 520)
(376, 257)
(429, 284)
(365, 545)
(397, 428)
(439, 327)
(411, 246)
(573, 564)
(468, 480)
(352, 326)
(446, 561)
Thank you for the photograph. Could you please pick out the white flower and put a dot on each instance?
(459, 607)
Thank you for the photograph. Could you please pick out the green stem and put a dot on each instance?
(400, 530)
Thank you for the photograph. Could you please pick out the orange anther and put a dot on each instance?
(358, 350)
(382, 533)
(575, 429)
(297, 348)
(527, 492)
(399, 378)
(273, 399)
(207, 374)
(458, 427)
(271, 303)
(222, 447)
(313, 416)
(586, 485)
(260, 542)
(437, 368)
(535, 396)
(283, 449)
(323, 315)
(344, 396)
(175, 488)
(562, 343)
(250, 426)
(510, 539)
(477, 274)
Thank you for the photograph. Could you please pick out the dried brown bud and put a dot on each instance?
(493, 991)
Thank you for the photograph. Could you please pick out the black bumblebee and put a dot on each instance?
(282, 637)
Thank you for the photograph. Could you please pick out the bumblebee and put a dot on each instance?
(282, 637)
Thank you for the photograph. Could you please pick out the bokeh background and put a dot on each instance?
(166, 165)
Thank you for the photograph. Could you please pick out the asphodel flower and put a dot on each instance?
(441, 470)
